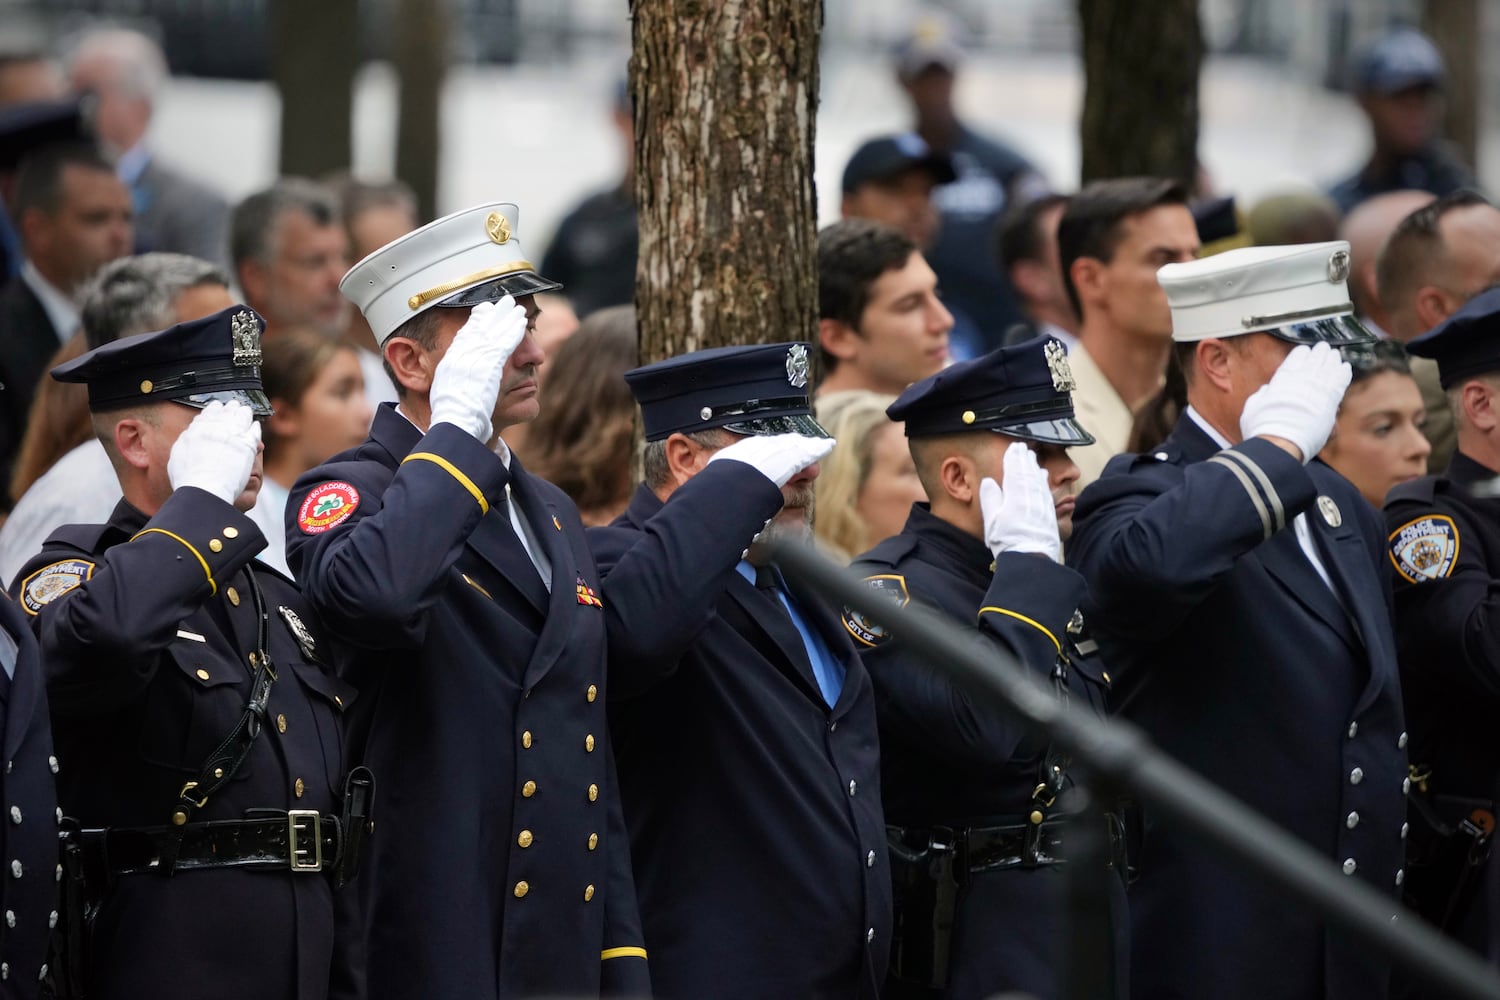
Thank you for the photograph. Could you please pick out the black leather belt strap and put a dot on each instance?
(999, 848)
(300, 841)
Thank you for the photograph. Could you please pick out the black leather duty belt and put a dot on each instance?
(300, 841)
(1000, 848)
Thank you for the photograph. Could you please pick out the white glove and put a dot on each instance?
(216, 451)
(778, 457)
(466, 383)
(1022, 517)
(1301, 401)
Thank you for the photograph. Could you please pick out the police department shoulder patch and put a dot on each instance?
(1425, 548)
(325, 506)
(51, 582)
(888, 585)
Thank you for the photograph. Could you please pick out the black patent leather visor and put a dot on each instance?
(259, 402)
(1336, 331)
(516, 285)
(799, 423)
(1064, 431)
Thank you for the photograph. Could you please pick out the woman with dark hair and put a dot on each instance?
(582, 440)
(318, 409)
(1377, 441)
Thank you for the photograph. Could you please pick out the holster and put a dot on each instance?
(926, 899)
(69, 944)
(1448, 845)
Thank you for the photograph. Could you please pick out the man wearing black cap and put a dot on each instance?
(989, 438)
(198, 730)
(743, 719)
(1399, 83)
(1445, 547)
(890, 179)
(462, 600)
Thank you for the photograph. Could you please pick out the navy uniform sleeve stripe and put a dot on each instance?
(1278, 511)
(1260, 505)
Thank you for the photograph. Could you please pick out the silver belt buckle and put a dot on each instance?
(302, 825)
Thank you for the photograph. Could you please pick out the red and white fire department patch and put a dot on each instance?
(326, 506)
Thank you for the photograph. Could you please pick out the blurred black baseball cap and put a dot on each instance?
(889, 156)
(1401, 60)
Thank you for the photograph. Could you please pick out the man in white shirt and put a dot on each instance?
(134, 295)
(1112, 238)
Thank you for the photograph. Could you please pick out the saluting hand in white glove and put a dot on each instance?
(216, 452)
(1021, 517)
(1301, 401)
(466, 383)
(778, 457)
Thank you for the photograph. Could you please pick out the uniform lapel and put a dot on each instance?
(1285, 560)
(19, 702)
(829, 625)
(495, 541)
(770, 628)
(547, 527)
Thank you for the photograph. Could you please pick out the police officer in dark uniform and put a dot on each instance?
(28, 890)
(978, 808)
(465, 606)
(744, 720)
(1237, 590)
(1445, 547)
(199, 730)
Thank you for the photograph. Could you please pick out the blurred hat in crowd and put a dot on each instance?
(32, 125)
(1465, 344)
(931, 42)
(460, 260)
(1398, 61)
(760, 389)
(889, 156)
(1299, 294)
(194, 363)
(1024, 391)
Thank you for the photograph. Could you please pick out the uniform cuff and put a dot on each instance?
(473, 466)
(211, 532)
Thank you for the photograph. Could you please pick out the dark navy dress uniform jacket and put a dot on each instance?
(1449, 645)
(951, 759)
(26, 784)
(1238, 660)
(147, 663)
(753, 807)
(499, 863)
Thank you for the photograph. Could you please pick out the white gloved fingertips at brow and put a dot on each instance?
(466, 384)
(1301, 401)
(778, 457)
(216, 452)
(1021, 515)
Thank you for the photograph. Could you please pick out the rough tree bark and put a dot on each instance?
(1457, 29)
(725, 95)
(1140, 103)
(314, 55)
(421, 58)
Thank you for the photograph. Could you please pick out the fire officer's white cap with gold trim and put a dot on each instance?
(459, 260)
(1295, 293)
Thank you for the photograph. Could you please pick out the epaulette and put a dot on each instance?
(888, 553)
(80, 536)
(1418, 490)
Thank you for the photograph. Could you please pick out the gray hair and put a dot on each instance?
(253, 223)
(655, 471)
(135, 294)
(138, 60)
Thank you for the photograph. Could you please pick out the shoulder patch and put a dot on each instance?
(1425, 548)
(890, 586)
(326, 505)
(52, 581)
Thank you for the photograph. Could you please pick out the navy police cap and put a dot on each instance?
(1465, 344)
(195, 363)
(760, 389)
(1024, 391)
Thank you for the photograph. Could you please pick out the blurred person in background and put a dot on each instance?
(124, 72)
(318, 409)
(869, 480)
(990, 177)
(1399, 83)
(1377, 441)
(28, 76)
(881, 323)
(594, 250)
(1291, 217)
(73, 215)
(1366, 229)
(1026, 247)
(374, 214)
(67, 475)
(1112, 238)
(890, 179)
(581, 441)
(1439, 257)
(33, 112)
(290, 251)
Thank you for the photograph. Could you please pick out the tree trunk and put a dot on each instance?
(726, 95)
(1140, 103)
(421, 57)
(314, 55)
(1456, 28)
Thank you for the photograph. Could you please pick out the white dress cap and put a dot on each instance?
(476, 251)
(1257, 288)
